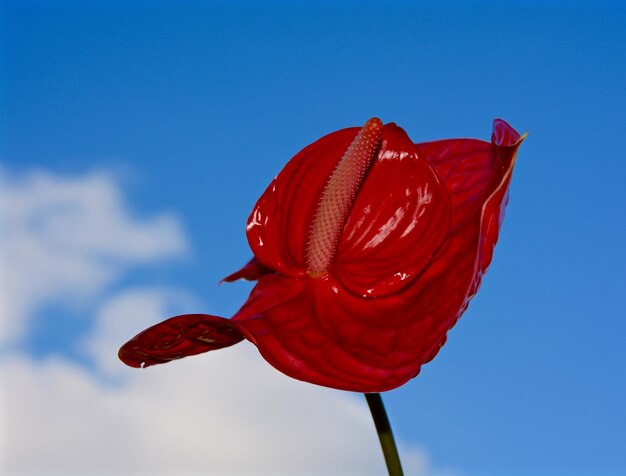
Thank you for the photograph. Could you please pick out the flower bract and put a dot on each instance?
(367, 249)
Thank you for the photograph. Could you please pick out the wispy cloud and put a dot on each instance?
(65, 238)
(223, 414)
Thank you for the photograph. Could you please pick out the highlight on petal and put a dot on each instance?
(398, 220)
(279, 226)
(179, 337)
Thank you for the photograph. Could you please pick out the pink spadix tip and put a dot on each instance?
(338, 196)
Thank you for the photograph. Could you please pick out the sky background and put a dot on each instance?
(137, 136)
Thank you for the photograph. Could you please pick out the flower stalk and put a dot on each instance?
(385, 434)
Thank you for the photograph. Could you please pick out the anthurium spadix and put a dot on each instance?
(367, 249)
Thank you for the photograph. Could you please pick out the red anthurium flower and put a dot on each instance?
(367, 249)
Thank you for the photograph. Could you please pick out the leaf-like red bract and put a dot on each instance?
(179, 337)
(411, 253)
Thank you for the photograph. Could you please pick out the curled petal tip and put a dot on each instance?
(504, 135)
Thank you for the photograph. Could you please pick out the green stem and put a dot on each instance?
(385, 435)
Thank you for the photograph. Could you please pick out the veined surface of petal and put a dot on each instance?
(470, 169)
(326, 335)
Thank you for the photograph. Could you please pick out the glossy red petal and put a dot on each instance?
(179, 337)
(416, 241)
(399, 219)
(315, 330)
(466, 167)
(280, 223)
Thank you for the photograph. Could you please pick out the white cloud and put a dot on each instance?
(64, 239)
(224, 413)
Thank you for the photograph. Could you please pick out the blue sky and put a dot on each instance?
(185, 111)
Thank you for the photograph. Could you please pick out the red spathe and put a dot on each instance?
(416, 240)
